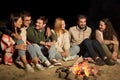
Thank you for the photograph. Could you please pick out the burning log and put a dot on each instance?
(79, 71)
(62, 72)
(83, 69)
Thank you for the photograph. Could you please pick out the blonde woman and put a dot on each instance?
(63, 43)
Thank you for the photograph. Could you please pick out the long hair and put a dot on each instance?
(58, 26)
(14, 18)
(109, 31)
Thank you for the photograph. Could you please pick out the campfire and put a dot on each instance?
(80, 70)
(83, 69)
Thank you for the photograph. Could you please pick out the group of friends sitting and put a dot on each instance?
(25, 42)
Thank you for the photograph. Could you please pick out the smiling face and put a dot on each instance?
(59, 24)
(27, 21)
(18, 23)
(82, 22)
(63, 24)
(39, 24)
(102, 26)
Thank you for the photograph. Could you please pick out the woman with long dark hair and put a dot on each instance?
(107, 36)
(17, 33)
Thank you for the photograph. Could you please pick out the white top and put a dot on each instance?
(24, 34)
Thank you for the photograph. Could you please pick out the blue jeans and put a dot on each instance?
(74, 50)
(51, 52)
(92, 48)
(39, 53)
(30, 50)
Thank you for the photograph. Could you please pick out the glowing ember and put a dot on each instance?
(83, 69)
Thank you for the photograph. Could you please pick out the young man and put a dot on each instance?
(27, 22)
(80, 35)
(36, 34)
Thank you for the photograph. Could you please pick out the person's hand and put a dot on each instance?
(47, 47)
(28, 42)
(64, 54)
(114, 56)
(17, 36)
(49, 44)
(114, 42)
(48, 32)
(21, 47)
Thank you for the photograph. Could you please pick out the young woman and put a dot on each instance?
(107, 36)
(80, 35)
(63, 43)
(18, 34)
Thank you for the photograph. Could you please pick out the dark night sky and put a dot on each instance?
(51, 9)
(94, 9)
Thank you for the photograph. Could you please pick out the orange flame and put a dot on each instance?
(81, 69)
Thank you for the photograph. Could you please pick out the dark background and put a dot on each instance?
(94, 9)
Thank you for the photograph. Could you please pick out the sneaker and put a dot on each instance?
(32, 64)
(99, 62)
(48, 64)
(118, 61)
(29, 68)
(39, 67)
(70, 58)
(20, 64)
(55, 62)
(90, 60)
(67, 58)
(108, 62)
